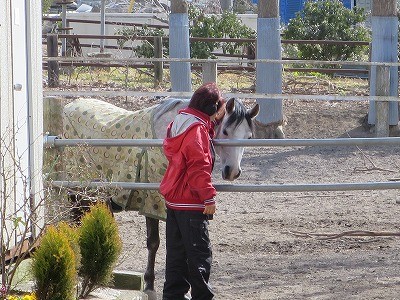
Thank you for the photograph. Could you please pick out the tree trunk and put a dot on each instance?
(179, 6)
(384, 7)
(268, 8)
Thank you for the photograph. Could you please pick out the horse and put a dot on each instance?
(92, 118)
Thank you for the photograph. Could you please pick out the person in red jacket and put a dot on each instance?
(190, 196)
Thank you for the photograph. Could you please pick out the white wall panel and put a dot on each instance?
(21, 109)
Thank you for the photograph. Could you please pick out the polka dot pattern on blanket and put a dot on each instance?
(96, 119)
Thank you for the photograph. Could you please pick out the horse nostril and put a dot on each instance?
(226, 172)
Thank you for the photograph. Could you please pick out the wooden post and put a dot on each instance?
(384, 25)
(53, 162)
(179, 7)
(210, 73)
(64, 4)
(53, 125)
(52, 66)
(102, 24)
(268, 8)
(269, 75)
(226, 5)
(384, 8)
(179, 46)
(158, 65)
(382, 107)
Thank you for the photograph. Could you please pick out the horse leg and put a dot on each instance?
(153, 242)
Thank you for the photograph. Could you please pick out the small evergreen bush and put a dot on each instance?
(54, 266)
(72, 235)
(100, 246)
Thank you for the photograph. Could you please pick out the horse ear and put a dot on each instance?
(254, 111)
(230, 105)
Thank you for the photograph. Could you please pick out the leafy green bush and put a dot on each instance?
(328, 20)
(228, 25)
(46, 5)
(54, 266)
(146, 48)
(100, 247)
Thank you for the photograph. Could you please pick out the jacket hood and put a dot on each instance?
(172, 145)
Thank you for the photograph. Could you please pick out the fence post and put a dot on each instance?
(384, 24)
(179, 47)
(53, 125)
(209, 72)
(269, 75)
(382, 107)
(158, 65)
(52, 66)
(53, 161)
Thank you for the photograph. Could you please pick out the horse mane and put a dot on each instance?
(167, 105)
(238, 115)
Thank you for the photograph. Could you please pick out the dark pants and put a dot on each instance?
(189, 256)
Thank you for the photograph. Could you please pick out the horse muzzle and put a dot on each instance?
(229, 174)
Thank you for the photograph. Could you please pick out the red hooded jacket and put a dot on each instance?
(186, 184)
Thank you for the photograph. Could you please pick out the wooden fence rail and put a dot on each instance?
(53, 73)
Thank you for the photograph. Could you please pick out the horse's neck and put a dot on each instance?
(166, 115)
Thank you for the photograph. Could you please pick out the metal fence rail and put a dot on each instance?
(296, 97)
(263, 188)
(53, 141)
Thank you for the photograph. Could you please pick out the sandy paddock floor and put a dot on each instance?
(256, 256)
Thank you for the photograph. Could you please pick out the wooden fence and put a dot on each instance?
(53, 42)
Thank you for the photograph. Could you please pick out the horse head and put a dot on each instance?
(236, 124)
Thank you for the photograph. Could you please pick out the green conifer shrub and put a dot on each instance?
(54, 267)
(72, 235)
(100, 246)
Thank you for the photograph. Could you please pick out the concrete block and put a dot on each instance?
(128, 280)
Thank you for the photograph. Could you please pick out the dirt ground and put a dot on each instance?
(256, 254)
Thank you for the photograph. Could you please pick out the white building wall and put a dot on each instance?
(6, 113)
(142, 18)
(110, 29)
(21, 141)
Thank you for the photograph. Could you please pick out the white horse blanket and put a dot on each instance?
(96, 119)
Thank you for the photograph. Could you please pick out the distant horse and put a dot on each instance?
(91, 118)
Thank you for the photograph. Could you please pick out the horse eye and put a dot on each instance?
(224, 132)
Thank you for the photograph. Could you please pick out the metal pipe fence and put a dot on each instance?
(53, 141)
(243, 188)
(296, 97)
